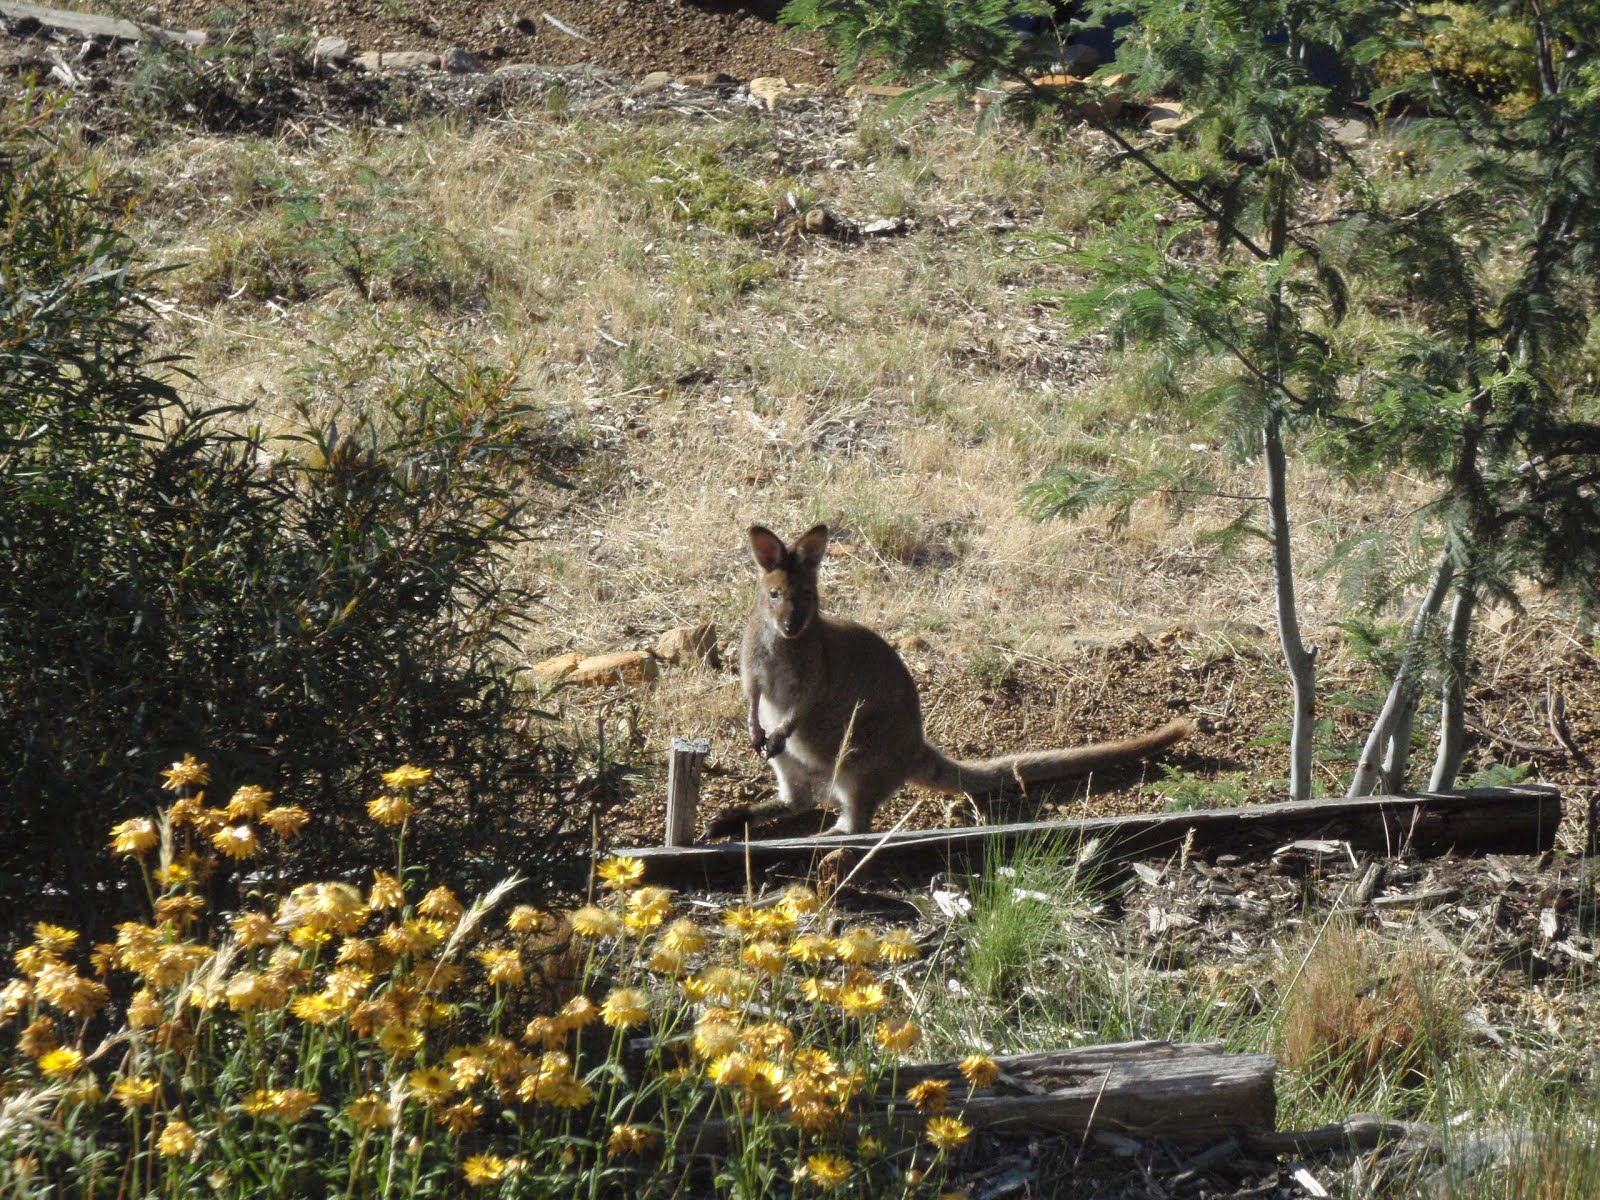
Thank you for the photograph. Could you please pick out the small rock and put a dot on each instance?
(912, 643)
(1168, 116)
(689, 644)
(523, 23)
(1348, 133)
(708, 79)
(625, 666)
(331, 50)
(885, 227)
(554, 670)
(397, 60)
(771, 90)
(652, 83)
(460, 61)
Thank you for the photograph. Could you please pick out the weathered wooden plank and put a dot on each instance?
(1180, 1093)
(1516, 820)
(94, 25)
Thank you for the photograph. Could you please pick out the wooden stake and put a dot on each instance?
(683, 788)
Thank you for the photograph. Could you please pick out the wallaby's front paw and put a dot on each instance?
(776, 741)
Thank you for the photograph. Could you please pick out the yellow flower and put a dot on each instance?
(39, 1038)
(502, 967)
(144, 1010)
(857, 946)
(592, 922)
(431, 1084)
(763, 956)
(859, 999)
(648, 907)
(460, 1118)
(187, 773)
(483, 1169)
(775, 922)
(739, 919)
(253, 929)
(664, 960)
(369, 1111)
(61, 1061)
(948, 1133)
(579, 1013)
(630, 1139)
(180, 910)
(625, 1007)
(136, 1092)
(799, 899)
(684, 936)
(811, 948)
(441, 902)
(769, 1040)
(398, 1040)
(899, 946)
(316, 1009)
(821, 991)
(286, 820)
(898, 1036)
(829, 1170)
(248, 803)
(621, 874)
(61, 987)
(390, 808)
(713, 1039)
(14, 997)
(404, 778)
(525, 918)
(177, 1138)
(386, 892)
(174, 875)
(931, 1095)
(53, 939)
(137, 836)
(282, 1104)
(980, 1070)
(568, 1093)
(236, 841)
(731, 1070)
(726, 984)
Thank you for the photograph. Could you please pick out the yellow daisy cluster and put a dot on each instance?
(774, 1014)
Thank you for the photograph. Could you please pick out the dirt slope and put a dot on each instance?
(630, 36)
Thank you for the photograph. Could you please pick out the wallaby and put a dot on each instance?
(833, 707)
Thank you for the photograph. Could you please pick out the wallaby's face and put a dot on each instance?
(786, 589)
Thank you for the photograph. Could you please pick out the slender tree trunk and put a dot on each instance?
(1300, 661)
(1453, 694)
(1401, 703)
(1397, 754)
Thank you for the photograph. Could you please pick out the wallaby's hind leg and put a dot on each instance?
(798, 789)
(859, 796)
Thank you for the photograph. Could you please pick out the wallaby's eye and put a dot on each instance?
(776, 593)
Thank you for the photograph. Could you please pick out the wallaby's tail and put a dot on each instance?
(1013, 772)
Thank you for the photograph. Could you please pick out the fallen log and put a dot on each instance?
(1510, 820)
(1181, 1093)
(94, 25)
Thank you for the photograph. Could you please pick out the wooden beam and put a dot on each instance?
(1511, 820)
(94, 25)
(1177, 1092)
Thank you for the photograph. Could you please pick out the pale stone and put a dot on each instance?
(652, 83)
(624, 666)
(553, 670)
(460, 61)
(331, 49)
(397, 60)
(689, 644)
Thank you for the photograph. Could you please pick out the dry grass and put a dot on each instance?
(902, 389)
(1360, 1012)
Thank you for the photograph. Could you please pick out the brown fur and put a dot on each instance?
(833, 708)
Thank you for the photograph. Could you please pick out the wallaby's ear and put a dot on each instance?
(811, 546)
(766, 548)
